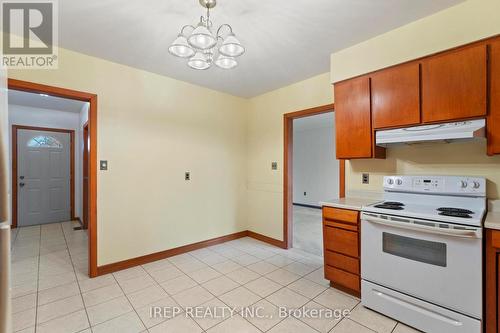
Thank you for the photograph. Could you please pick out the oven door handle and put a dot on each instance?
(410, 225)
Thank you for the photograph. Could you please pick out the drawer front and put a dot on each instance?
(343, 278)
(343, 262)
(344, 215)
(341, 241)
(495, 239)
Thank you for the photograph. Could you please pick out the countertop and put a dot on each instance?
(492, 220)
(352, 203)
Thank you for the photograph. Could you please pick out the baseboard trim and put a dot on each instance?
(266, 239)
(120, 265)
(306, 205)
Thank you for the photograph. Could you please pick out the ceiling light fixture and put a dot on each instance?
(203, 47)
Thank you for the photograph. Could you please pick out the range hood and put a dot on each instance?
(436, 132)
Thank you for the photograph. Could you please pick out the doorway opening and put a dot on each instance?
(311, 175)
(49, 158)
(43, 164)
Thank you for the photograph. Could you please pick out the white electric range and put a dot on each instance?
(421, 252)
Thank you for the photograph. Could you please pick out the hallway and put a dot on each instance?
(49, 264)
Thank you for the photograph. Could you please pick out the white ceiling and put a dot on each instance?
(286, 41)
(314, 122)
(44, 102)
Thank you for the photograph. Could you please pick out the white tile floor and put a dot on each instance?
(52, 293)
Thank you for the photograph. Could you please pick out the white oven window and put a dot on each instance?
(433, 253)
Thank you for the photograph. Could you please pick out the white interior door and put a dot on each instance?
(43, 177)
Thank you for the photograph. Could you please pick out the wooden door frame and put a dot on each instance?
(288, 168)
(15, 182)
(85, 166)
(92, 120)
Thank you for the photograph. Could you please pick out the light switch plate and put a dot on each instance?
(103, 165)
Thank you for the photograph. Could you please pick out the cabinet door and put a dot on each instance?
(494, 115)
(353, 119)
(396, 96)
(454, 85)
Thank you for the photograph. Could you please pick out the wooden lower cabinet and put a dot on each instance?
(494, 112)
(492, 281)
(341, 244)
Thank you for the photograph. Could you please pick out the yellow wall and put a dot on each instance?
(458, 25)
(265, 145)
(152, 129)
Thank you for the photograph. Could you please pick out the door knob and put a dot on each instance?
(21, 184)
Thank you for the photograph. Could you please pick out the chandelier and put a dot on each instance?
(203, 48)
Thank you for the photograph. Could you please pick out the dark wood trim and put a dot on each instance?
(117, 266)
(92, 99)
(287, 182)
(288, 171)
(311, 111)
(49, 90)
(15, 191)
(266, 239)
(85, 176)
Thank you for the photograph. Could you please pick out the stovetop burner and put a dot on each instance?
(456, 214)
(393, 203)
(455, 210)
(389, 206)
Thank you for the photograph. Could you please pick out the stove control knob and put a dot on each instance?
(476, 184)
(463, 184)
(399, 182)
(390, 181)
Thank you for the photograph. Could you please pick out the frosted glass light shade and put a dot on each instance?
(199, 61)
(201, 38)
(231, 47)
(180, 47)
(226, 62)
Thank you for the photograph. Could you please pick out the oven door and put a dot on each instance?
(437, 262)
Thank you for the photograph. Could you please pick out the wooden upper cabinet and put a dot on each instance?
(396, 96)
(353, 118)
(494, 114)
(454, 85)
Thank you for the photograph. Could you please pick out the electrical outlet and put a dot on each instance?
(187, 175)
(305, 193)
(365, 178)
(274, 166)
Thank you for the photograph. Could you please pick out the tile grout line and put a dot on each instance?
(128, 300)
(239, 286)
(76, 278)
(201, 286)
(198, 284)
(38, 279)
